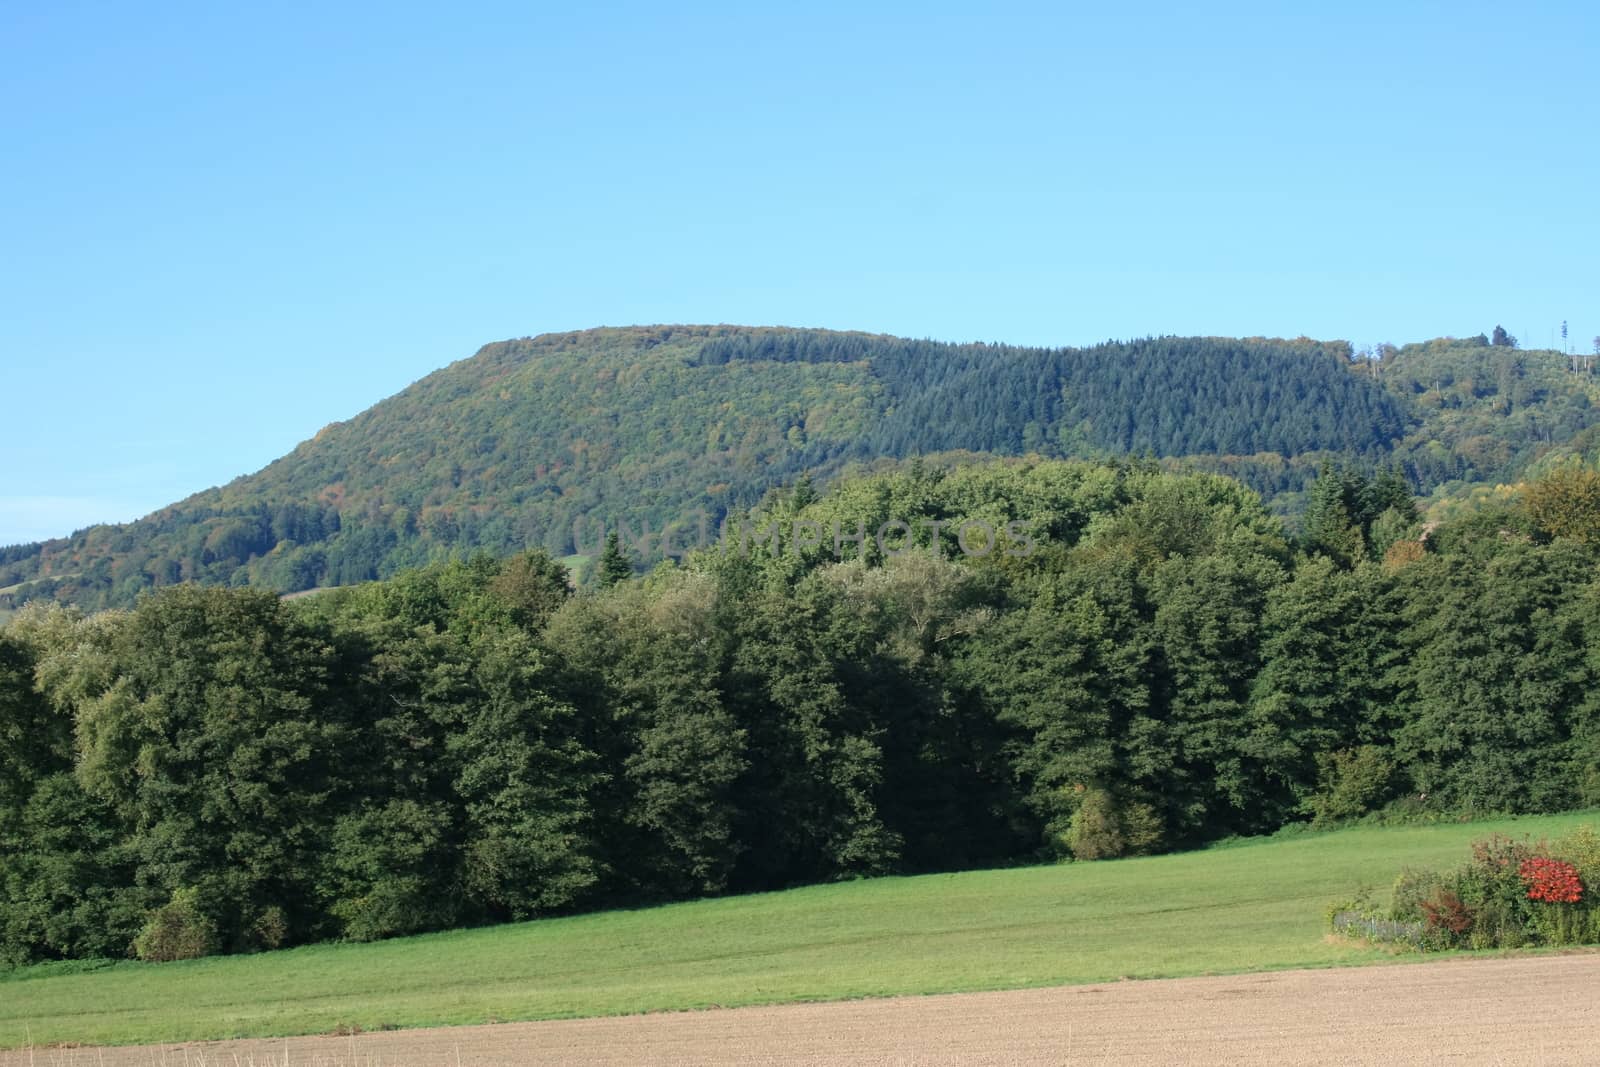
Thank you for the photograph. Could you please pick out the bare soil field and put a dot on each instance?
(1542, 1010)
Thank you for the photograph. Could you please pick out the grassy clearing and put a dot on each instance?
(40, 578)
(1254, 905)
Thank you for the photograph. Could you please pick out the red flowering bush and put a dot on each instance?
(1509, 894)
(1552, 881)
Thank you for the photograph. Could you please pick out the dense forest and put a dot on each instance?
(542, 444)
(1137, 660)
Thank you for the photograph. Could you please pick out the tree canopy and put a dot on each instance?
(1142, 660)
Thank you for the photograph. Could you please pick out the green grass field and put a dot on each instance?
(1248, 906)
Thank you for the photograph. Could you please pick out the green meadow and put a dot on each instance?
(1250, 905)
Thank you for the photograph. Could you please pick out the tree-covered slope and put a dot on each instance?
(1168, 396)
(1488, 411)
(537, 442)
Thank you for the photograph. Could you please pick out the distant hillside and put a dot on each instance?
(535, 442)
(1486, 412)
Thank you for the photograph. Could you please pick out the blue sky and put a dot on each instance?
(225, 226)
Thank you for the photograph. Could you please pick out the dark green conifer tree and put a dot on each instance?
(614, 566)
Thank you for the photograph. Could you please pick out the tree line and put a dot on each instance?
(221, 770)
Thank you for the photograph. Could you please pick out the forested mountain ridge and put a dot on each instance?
(537, 442)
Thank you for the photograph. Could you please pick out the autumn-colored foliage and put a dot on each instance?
(1553, 881)
(1566, 503)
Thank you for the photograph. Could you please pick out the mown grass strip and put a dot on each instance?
(1252, 906)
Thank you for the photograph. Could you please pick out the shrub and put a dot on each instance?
(1494, 875)
(1142, 828)
(1491, 889)
(1351, 782)
(1103, 828)
(1554, 887)
(1095, 832)
(1581, 848)
(1497, 854)
(1550, 880)
(178, 930)
(1410, 890)
(1445, 914)
(271, 928)
(1560, 924)
(1510, 893)
(1497, 924)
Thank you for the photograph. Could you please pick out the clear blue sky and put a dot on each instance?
(224, 226)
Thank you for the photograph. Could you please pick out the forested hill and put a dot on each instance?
(533, 443)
